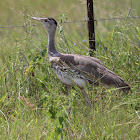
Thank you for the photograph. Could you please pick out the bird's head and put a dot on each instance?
(48, 22)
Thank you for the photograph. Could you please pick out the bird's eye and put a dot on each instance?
(46, 20)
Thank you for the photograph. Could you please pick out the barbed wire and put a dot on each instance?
(18, 26)
(119, 18)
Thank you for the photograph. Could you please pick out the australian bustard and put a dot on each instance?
(74, 69)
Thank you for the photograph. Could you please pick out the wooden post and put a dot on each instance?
(91, 30)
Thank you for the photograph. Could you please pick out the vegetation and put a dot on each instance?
(34, 103)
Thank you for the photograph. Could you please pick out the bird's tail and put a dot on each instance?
(124, 86)
(113, 79)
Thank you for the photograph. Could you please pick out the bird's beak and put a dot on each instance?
(35, 18)
(39, 19)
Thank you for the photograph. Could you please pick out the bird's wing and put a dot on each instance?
(89, 68)
(82, 66)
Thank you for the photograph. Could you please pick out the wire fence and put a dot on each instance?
(85, 20)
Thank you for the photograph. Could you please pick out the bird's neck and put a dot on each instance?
(51, 44)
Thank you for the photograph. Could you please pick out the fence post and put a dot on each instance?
(91, 30)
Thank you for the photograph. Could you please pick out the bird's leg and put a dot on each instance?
(68, 92)
(68, 89)
(86, 97)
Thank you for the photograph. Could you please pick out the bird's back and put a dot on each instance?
(82, 69)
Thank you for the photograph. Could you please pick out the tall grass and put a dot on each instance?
(34, 103)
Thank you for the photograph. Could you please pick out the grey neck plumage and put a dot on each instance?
(51, 44)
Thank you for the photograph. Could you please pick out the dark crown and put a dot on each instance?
(53, 20)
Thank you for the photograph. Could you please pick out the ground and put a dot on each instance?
(34, 103)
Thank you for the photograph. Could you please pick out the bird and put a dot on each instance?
(78, 70)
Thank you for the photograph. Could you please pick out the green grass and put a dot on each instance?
(38, 107)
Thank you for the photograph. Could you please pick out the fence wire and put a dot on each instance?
(119, 18)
